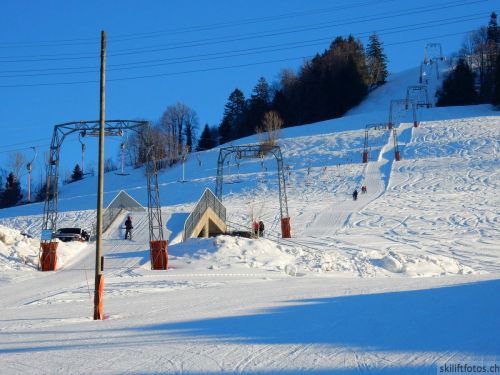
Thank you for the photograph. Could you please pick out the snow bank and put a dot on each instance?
(19, 252)
(422, 265)
(226, 252)
(235, 253)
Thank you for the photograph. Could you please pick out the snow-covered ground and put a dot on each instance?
(399, 281)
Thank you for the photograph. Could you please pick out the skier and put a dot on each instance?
(128, 228)
(255, 228)
(355, 194)
(261, 228)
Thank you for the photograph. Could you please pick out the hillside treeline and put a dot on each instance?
(475, 79)
(324, 87)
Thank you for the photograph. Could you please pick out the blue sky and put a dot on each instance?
(196, 51)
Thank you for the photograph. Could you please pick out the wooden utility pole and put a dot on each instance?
(99, 278)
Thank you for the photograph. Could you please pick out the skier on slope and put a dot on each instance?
(355, 194)
(255, 228)
(128, 228)
(261, 228)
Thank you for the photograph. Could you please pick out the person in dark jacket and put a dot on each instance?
(355, 194)
(261, 228)
(128, 228)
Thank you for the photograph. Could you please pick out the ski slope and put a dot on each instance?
(400, 281)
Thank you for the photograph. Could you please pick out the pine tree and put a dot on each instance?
(493, 31)
(492, 49)
(376, 61)
(206, 141)
(261, 92)
(188, 132)
(459, 87)
(259, 104)
(41, 192)
(12, 192)
(234, 111)
(77, 174)
(496, 90)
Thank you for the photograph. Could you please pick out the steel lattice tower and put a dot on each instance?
(112, 128)
(254, 151)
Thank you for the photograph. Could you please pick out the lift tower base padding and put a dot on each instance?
(48, 256)
(159, 254)
(397, 153)
(285, 228)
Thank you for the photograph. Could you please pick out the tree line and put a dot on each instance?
(324, 87)
(475, 79)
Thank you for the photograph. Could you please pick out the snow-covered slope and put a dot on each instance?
(324, 301)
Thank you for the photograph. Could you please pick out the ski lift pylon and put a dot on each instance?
(123, 144)
(29, 167)
(80, 135)
(398, 105)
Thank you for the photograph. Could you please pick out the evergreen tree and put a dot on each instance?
(258, 104)
(41, 192)
(234, 111)
(334, 81)
(376, 61)
(77, 174)
(188, 132)
(459, 87)
(493, 31)
(12, 192)
(325, 87)
(496, 91)
(261, 91)
(214, 133)
(286, 98)
(206, 141)
(488, 50)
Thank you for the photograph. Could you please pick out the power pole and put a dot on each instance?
(99, 278)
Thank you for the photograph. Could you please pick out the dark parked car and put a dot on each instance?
(72, 234)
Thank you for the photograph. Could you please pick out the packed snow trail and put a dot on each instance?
(120, 257)
(166, 324)
(375, 176)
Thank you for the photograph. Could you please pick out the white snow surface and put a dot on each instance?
(402, 280)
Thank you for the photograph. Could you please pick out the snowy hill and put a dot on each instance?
(217, 308)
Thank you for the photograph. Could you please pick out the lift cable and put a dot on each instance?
(230, 38)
